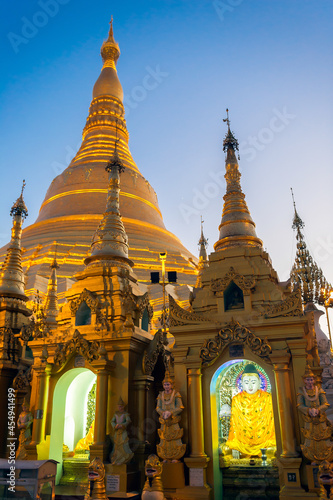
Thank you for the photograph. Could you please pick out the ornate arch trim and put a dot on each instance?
(219, 285)
(77, 344)
(86, 296)
(233, 333)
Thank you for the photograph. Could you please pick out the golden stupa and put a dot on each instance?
(75, 200)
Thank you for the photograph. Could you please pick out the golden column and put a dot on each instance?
(289, 458)
(198, 460)
(102, 368)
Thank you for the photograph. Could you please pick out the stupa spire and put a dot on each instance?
(11, 273)
(237, 226)
(110, 239)
(203, 262)
(305, 272)
(51, 301)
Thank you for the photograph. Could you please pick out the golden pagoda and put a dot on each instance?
(75, 200)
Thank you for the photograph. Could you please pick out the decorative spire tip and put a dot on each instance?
(230, 140)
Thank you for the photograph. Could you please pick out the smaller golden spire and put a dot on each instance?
(11, 273)
(203, 262)
(237, 226)
(110, 240)
(51, 300)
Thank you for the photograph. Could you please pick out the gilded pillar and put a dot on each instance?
(283, 388)
(102, 367)
(142, 384)
(195, 403)
(43, 377)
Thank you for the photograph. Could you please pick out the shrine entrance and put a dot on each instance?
(244, 441)
(69, 414)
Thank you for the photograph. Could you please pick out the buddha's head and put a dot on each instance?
(250, 379)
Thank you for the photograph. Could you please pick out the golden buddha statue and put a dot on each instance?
(252, 421)
(84, 443)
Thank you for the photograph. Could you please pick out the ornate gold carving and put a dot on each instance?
(237, 333)
(179, 316)
(291, 306)
(219, 285)
(78, 344)
(22, 380)
(86, 296)
(156, 348)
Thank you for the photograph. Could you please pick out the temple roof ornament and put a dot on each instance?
(237, 226)
(305, 272)
(110, 239)
(203, 261)
(51, 301)
(11, 274)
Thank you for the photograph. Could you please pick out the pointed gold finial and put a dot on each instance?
(110, 51)
(230, 142)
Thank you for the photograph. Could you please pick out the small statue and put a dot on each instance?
(83, 445)
(96, 478)
(317, 431)
(169, 408)
(153, 488)
(24, 423)
(325, 478)
(252, 422)
(121, 453)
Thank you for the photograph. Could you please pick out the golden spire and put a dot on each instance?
(237, 226)
(203, 262)
(108, 82)
(110, 239)
(51, 300)
(305, 271)
(11, 273)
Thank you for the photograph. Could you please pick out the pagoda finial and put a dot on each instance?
(115, 160)
(54, 263)
(19, 207)
(110, 51)
(11, 273)
(298, 224)
(230, 140)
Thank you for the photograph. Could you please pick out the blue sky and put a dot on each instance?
(269, 62)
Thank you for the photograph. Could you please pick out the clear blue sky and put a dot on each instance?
(270, 62)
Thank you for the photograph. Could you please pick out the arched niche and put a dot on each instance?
(233, 297)
(83, 315)
(69, 411)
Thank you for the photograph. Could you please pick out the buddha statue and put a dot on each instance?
(252, 421)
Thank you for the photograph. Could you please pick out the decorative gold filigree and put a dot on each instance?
(22, 380)
(291, 306)
(78, 344)
(233, 333)
(179, 316)
(156, 348)
(219, 285)
(86, 296)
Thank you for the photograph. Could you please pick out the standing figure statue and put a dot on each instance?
(169, 408)
(317, 431)
(121, 453)
(24, 423)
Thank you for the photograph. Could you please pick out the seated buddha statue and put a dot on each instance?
(84, 443)
(252, 421)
